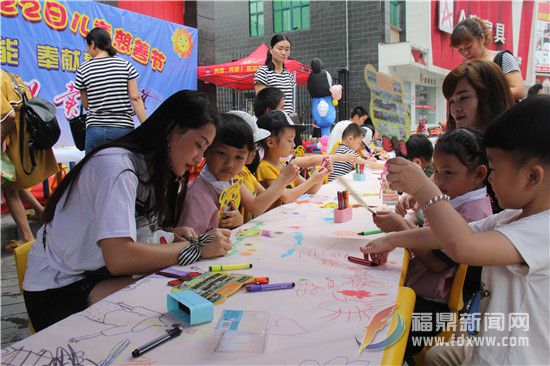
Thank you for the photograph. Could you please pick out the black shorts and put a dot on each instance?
(50, 306)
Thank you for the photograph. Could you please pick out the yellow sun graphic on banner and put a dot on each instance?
(182, 42)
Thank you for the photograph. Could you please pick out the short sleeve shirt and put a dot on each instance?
(283, 81)
(106, 83)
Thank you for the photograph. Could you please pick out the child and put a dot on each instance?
(354, 138)
(420, 151)
(511, 245)
(358, 116)
(225, 159)
(280, 145)
(250, 181)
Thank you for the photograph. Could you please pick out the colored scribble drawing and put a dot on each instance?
(309, 198)
(245, 250)
(287, 327)
(182, 42)
(120, 318)
(360, 294)
(346, 234)
(332, 205)
(340, 360)
(298, 237)
(306, 287)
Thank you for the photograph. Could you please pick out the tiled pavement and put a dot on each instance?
(15, 321)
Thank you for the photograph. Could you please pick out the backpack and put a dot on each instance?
(38, 117)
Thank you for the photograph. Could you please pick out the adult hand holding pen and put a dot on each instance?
(219, 246)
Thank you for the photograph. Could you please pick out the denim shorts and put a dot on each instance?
(99, 135)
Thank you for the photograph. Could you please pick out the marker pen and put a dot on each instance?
(230, 267)
(370, 232)
(271, 286)
(362, 261)
(261, 280)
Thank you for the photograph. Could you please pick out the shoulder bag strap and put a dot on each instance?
(23, 126)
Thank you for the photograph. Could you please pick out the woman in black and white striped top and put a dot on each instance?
(274, 73)
(108, 90)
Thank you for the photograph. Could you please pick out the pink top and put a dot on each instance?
(436, 286)
(200, 209)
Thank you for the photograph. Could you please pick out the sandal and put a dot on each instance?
(13, 244)
(32, 215)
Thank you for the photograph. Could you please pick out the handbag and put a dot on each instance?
(37, 115)
(78, 129)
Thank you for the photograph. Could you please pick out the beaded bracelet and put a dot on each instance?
(434, 199)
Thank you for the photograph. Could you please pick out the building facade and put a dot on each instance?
(343, 34)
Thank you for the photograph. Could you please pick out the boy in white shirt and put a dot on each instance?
(358, 116)
(513, 245)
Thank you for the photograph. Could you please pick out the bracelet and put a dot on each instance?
(434, 199)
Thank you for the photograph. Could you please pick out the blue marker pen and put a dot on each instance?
(270, 286)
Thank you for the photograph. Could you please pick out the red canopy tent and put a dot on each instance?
(240, 74)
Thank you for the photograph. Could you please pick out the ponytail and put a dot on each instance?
(101, 39)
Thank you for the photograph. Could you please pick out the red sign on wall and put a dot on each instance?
(497, 16)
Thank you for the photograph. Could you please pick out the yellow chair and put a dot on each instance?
(21, 254)
(455, 304)
(336, 145)
(393, 355)
(404, 268)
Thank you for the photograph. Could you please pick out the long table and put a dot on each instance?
(316, 323)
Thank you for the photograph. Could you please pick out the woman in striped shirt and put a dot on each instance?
(108, 90)
(274, 73)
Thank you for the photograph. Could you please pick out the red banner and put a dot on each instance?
(497, 15)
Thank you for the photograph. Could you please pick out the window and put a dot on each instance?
(290, 15)
(256, 15)
(394, 13)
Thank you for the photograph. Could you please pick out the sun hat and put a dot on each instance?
(259, 133)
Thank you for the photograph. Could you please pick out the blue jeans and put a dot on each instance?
(99, 135)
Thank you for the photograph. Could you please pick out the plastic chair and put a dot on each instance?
(393, 355)
(404, 267)
(21, 254)
(455, 304)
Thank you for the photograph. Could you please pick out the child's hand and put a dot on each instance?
(319, 176)
(381, 245)
(232, 218)
(289, 173)
(183, 232)
(389, 221)
(407, 202)
(219, 246)
(406, 176)
(378, 258)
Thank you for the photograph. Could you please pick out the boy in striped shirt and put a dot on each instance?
(352, 142)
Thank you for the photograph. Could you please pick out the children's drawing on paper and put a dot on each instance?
(298, 237)
(19, 356)
(287, 327)
(120, 318)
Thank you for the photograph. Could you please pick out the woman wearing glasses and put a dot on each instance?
(471, 38)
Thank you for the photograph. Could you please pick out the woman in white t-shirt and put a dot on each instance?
(102, 219)
(108, 90)
(274, 73)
